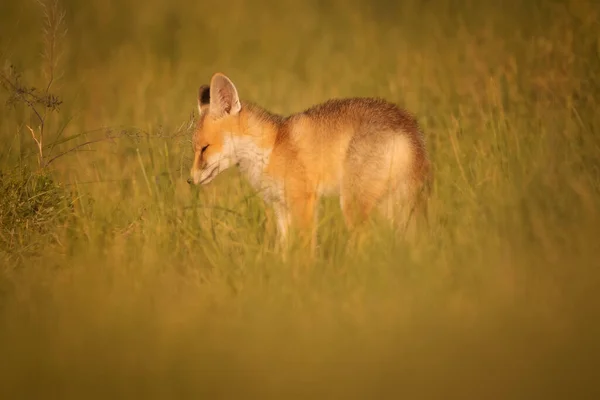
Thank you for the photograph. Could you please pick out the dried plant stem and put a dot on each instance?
(39, 143)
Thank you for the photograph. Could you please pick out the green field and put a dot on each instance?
(118, 279)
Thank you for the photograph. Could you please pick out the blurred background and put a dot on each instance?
(118, 279)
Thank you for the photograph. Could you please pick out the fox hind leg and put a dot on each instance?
(382, 177)
(406, 209)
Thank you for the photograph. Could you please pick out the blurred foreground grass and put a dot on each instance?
(117, 279)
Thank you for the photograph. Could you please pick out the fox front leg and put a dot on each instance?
(283, 225)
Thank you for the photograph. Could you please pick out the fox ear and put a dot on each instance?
(223, 96)
(203, 98)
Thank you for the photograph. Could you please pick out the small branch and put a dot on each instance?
(76, 148)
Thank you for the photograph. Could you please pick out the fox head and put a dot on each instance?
(219, 108)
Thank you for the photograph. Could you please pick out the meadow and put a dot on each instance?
(118, 279)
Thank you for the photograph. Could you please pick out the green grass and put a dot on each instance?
(118, 279)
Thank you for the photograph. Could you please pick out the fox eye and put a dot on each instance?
(203, 148)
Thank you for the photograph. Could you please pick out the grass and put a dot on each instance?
(118, 279)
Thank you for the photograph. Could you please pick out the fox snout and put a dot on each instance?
(196, 176)
(198, 167)
(205, 173)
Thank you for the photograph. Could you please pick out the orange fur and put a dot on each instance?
(368, 151)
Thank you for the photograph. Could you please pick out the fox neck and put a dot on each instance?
(251, 158)
(254, 147)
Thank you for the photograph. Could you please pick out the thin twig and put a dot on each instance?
(76, 148)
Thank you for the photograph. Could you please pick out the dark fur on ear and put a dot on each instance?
(203, 98)
(204, 95)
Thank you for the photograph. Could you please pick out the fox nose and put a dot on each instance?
(189, 181)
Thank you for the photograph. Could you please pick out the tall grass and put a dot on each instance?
(144, 287)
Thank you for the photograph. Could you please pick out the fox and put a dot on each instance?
(368, 151)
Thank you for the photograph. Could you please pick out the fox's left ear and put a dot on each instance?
(224, 97)
(203, 98)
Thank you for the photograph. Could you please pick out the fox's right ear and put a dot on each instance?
(203, 98)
